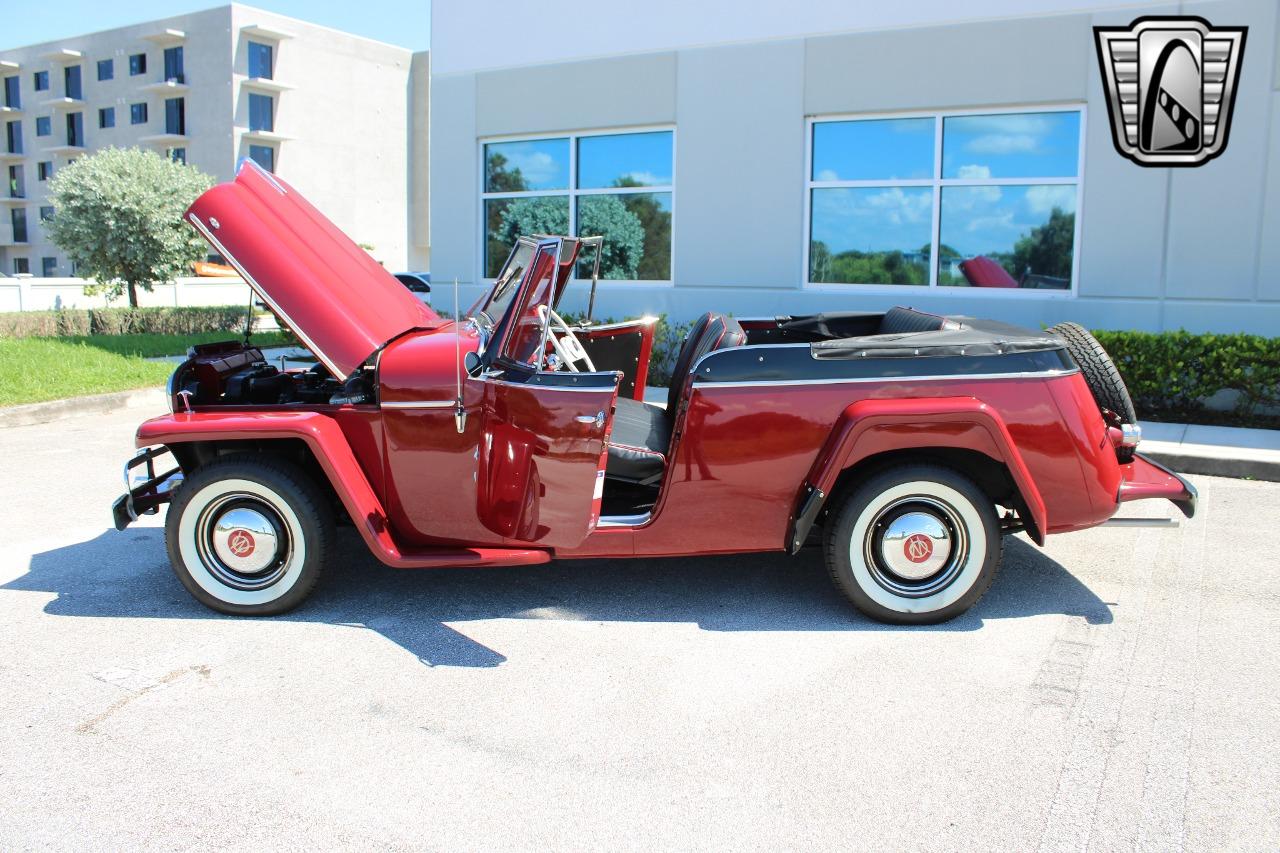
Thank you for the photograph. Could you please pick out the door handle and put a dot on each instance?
(597, 419)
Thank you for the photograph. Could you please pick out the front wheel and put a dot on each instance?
(248, 535)
(916, 544)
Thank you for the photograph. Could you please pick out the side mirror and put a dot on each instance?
(471, 362)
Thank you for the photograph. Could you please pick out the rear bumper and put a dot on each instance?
(1144, 478)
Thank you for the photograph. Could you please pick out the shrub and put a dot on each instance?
(122, 321)
(44, 324)
(1173, 374)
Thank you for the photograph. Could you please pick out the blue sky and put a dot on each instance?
(974, 220)
(401, 22)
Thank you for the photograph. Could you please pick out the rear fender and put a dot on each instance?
(870, 427)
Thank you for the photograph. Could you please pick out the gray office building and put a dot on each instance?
(815, 156)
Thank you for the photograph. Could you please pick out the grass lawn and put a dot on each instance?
(33, 370)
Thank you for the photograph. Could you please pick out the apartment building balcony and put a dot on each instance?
(9, 112)
(269, 33)
(12, 156)
(165, 140)
(63, 103)
(68, 148)
(263, 136)
(7, 200)
(166, 37)
(169, 88)
(7, 65)
(266, 84)
(63, 55)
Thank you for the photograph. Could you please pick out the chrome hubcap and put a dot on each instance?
(243, 542)
(915, 546)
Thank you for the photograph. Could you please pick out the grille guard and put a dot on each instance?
(146, 497)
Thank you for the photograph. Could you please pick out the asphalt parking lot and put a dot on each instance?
(1117, 690)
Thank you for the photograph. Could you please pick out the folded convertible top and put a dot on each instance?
(974, 337)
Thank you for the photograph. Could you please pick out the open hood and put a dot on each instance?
(331, 293)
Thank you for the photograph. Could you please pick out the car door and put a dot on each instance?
(544, 440)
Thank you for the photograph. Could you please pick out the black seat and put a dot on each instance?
(901, 321)
(641, 436)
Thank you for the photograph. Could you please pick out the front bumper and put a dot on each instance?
(146, 497)
(1145, 478)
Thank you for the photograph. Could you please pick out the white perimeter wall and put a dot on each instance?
(42, 294)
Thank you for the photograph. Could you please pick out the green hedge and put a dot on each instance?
(1171, 375)
(121, 321)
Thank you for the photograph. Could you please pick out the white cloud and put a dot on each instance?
(828, 175)
(1042, 198)
(648, 178)
(1004, 143)
(538, 167)
(973, 172)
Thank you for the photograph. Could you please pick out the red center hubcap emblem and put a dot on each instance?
(241, 543)
(918, 548)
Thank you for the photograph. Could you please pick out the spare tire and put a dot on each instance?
(1099, 370)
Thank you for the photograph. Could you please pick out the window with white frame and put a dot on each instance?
(618, 185)
(985, 200)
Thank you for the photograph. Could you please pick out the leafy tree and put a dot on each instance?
(508, 219)
(607, 215)
(118, 215)
(855, 267)
(1047, 249)
(498, 179)
(623, 234)
(655, 264)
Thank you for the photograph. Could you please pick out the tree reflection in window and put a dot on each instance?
(622, 191)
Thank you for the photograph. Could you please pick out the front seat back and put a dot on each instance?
(709, 332)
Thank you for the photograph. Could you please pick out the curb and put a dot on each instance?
(1210, 464)
(96, 404)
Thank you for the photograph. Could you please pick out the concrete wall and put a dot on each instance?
(419, 104)
(1198, 248)
(42, 294)
(347, 150)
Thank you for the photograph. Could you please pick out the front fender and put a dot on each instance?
(869, 427)
(323, 437)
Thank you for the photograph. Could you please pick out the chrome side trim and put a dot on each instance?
(1141, 522)
(598, 389)
(266, 176)
(623, 520)
(646, 320)
(420, 404)
(257, 288)
(945, 377)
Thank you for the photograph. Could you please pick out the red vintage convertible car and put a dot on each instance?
(911, 442)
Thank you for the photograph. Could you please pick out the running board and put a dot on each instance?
(1141, 522)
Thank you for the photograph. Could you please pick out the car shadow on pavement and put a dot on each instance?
(127, 575)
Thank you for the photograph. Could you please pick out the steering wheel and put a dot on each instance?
(567, 346)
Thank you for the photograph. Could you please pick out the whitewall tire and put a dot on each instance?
(248, 535)
(915, 544)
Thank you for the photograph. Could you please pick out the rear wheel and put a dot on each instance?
(916, 544)
(248, 535)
